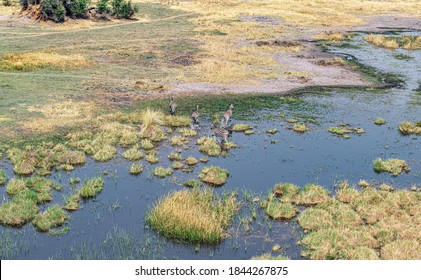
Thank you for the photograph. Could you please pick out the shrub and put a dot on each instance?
(102, 6)
(53, 9)
(123, 9)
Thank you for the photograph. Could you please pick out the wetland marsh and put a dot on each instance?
(323, 163)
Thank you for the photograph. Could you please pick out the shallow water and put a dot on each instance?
(115, 219)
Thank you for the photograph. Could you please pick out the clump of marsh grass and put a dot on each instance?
(74, 180)
(300, 128)
(192, 183)
(174, 156)
(53, 217)
(272, 131)
(177, 140)
(380, 121)
(152, 158)
(344, 130)
(195, 216)
(177, 165)
(18, 212)
(249, 132)
(152, 120)
(393, 166)
(363, 183)
(386, 188)
(38, 187)
(162, 172)
(240, 127)
(229, 145)
(394, 42)
(280, 210)
(136, 168)
(214, 175)
(3, 178)
(65, 167)
(187, 132)
(177, 121)
(146, 144)
(292, 120)
(313, 195)
(191, 161)
(71, 157)
(402, 250)
(286, 192)
(106, 153)
(204, 160)
(209, 146)
(339, 130)
(92, 188)
(72, 203)
(133, 154)
(408, 128)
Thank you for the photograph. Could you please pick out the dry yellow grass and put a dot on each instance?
(37, 60)
(61, 114)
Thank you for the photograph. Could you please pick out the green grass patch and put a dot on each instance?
(18, 212)
(191, 161)
(240, 127)
(194, 216)
(192, 183)
(72, 203)
(175, 156)
(209, 146)
(3, 178)
(92, 188)
(136, 168)
(214, 175)
(408, 128)
(286, 192)
(280, 210)
(313, 195)
(393, 166)
(162, 172)
(133, 154)
(53, 217)
(380, 121)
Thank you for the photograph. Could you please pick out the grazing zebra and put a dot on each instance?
(195, 115)
(173, 105)
(228, 115)
(221, 132)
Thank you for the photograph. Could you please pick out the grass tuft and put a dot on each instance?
(214, 175)
(195, 216)
(209, 146)
(408, 128)
(53, 217)
(92, 188)
(136, 169)
(300, 128)
(162, 172)
(393, 166)
(380, 121)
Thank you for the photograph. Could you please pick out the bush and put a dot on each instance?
(123, 9)
(7, 2)
(53, 9)
(24, 3)
(102, 6)
(76, 8)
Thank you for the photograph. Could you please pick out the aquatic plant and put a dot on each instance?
(3, 178)
(272, 131)
(177, 165)
(191, 161)
(204, 160)
(177, 121)
(339, 130)
(195, 216)
(380, 121)
(18, 212)
(152, 158)
(136, 168)
(53, 217)
(209, 146)
(152, 120)
(187, 132)
(363, 183)
(72, 203)
(38, 187)
(393, 166)
(74, 180)
(214, 175)
(280, 210)
(162, 172)
(92, 188)
(175, 156)
(71, 157)
(192, 183)
(300, 128)
(146, 144)
(313, 195)
(177, 140)
(133, 154)
(106, 153)
(408, 128)
(240, 127)
(286, 192)
(249, 132)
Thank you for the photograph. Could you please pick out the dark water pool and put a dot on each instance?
(113, 225)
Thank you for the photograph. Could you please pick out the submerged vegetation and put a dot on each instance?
(195, 216)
